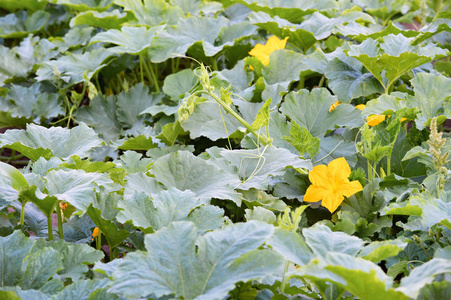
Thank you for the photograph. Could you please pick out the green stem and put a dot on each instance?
(214, 64)
(22, 214)
(112, 253)
(388, 164)
(260, 138)
(152, 76)
(424, 249)
(12, 158)
(301, 83)
(321, 81)
(60, 222)
(389, 228)
(50, 227)
(70, 115)
(284, 278)
(177, 63)
(99, 241)
(98, 84)
(370, 171)
(119, 79)
(141, 62)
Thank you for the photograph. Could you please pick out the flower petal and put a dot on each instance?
(334, 105)
(332, 201)
(375, 119)
(339, 170)
(260, 52)
(315, 193)
(319, 176)
(350, 188)
(274, 43)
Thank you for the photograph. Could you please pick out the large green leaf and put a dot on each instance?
(311, 110)
(11, 64)
(106, 20)
(316, 27)
(256, 167)
(348, 80)
(282, 28)
(362, 278)
(366, 285)
(176, 40)
(75, 257)
(30, 102)
(436, 290)
(151, 12)
(75, 186)
(85, 5)
(38, 141)
(129, 39)
(291, 246)
(21, 24)
(431, 92)
(113, 232)
(16, 293)
(78, 229)
(72, 67)
(211, 121)
(395, 56)
(284, 67)
(151, 214)
(14, 249)
(131, 103)
(436, 211)
(82, 289)
(101, 115)
(140, 182)
(31, 5)
(292, 10)
(378, 251)
(423, 275)
(40, 266)
(172, 266)
(177, 84)
(185, 171)
(321, 239)
(16, 179)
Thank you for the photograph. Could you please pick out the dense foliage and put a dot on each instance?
(230, 149)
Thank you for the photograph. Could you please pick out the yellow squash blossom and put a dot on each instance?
(330, 184)
(360, 106)
(95, 233)
(373, 120)
(262, 52)
(333, 106)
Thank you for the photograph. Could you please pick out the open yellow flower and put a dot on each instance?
(330, 184)
(262, 52)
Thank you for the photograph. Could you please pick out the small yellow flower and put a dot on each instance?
(373, 120)
(330, 184)
(333, 106)
(95, 232)
(262, 52)
(360, 106)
